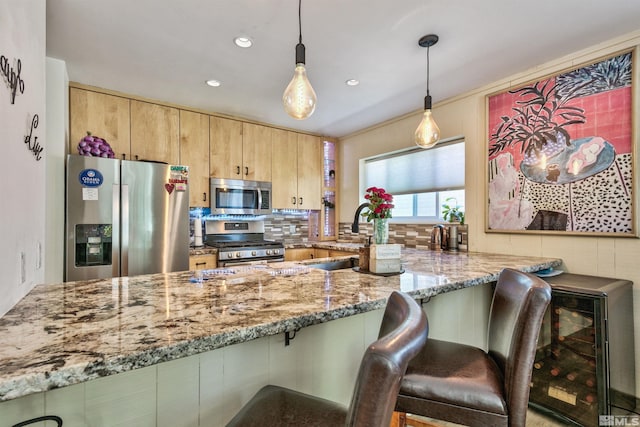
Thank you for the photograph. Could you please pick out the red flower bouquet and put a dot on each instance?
(379, 204)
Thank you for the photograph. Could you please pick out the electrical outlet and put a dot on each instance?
(23, 268)
(39, 256)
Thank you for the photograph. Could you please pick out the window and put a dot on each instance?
(420, 180)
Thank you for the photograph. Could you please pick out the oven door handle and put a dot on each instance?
(259, 199)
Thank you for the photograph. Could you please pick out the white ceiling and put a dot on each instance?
(165, 50)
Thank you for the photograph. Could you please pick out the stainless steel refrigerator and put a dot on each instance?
(125, 218)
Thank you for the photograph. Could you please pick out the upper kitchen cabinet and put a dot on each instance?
(256, 152)
(155, 132)
(106, 116)
(194, 152)
(240, 150)
(296, 171)
(225, 148)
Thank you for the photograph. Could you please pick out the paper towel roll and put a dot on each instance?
(197, 232)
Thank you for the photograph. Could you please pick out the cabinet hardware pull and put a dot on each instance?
(200, 263)
(246, 170)
(124, 156)
(204, 197)
(300, 201)
(237, 170)
(293, 200)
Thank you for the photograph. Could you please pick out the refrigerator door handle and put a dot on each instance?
(115, 232)
(124, 220)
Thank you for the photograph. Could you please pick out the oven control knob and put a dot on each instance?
(276, 251)
(238, 254)
(268, 251)
(253, 253)
(229, 255)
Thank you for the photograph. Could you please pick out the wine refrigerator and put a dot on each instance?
(585, 364)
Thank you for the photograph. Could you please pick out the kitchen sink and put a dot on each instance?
(336, 265)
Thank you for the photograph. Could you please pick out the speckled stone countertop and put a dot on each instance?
(63, 334)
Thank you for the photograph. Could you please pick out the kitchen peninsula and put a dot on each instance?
(76, 332)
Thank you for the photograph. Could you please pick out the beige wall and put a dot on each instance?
(465, 115)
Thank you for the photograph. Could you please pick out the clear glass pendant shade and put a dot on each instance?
(428, 133)
(299, 98)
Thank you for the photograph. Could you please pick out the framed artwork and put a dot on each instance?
(561, 153)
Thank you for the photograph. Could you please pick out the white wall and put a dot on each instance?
(22, 36)
(465, 115)
(57, 136)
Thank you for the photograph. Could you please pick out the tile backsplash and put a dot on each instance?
(293, 227)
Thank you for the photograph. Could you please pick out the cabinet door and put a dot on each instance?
(309, 172)
(202, 262)
(299, 254)
(225, 145)
(256, 152)
(194, 152)
(284, 167)
(106, 116)
(155, 132)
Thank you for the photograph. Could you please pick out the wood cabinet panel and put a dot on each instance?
(155, 132)
(225, 147)
(309, 172)
(284, 173)
(299, 254)
(256, 152)
(202, 262)
(194, 152)
(103, 115)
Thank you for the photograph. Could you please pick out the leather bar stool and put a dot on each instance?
(467, 385)
(403, 332)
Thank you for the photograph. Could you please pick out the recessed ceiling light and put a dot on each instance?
(352, 82)
(213, 83)
(243, 42)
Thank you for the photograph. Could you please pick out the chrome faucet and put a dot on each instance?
(355, 226)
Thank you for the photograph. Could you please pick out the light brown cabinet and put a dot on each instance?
(296, 171)
(240, 150)
(194, 152)
(301, 254)
(202, 262)
(106, 116)
(155, 132)
(256, 152)
(225, 148)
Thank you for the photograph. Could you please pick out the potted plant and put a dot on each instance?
(452, 213)
(539, 122)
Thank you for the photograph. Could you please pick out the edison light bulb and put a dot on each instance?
(299, 98)
(428, 132)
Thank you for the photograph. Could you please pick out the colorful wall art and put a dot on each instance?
(560, 153)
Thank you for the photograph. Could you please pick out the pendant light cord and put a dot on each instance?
(300, 21)
(428, 70)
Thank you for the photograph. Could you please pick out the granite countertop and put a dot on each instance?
(63, 334)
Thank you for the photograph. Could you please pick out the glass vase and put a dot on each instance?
(380, 231)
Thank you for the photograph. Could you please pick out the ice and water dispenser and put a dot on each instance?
(93, 244)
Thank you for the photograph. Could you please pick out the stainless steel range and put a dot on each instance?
(241, 242)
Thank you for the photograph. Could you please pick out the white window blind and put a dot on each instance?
(418, 170)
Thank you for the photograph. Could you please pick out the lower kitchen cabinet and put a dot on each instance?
(202, 262)
(301, 254)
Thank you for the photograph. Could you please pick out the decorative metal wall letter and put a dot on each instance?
(34, 145)
(14, 81)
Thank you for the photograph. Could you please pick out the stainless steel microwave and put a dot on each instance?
(240, 197)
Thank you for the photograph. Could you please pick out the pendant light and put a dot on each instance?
(428, 132)
(299, 98)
